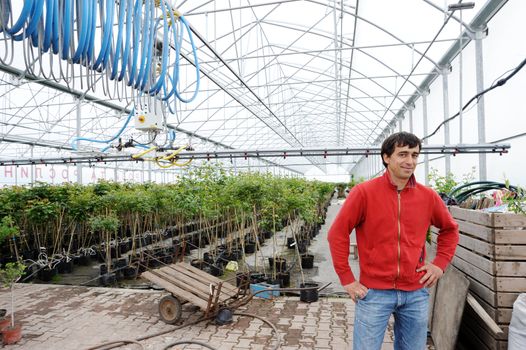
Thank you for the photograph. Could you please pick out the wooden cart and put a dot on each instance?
(190, 284)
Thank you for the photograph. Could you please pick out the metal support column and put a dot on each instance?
(32, 168)
(149, 171)
(426, 157)
(445, 90)
(79, 127)
(479, 62)
(410, 109)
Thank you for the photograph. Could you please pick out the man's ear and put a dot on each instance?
(385, 158)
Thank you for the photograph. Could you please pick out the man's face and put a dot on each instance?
(402, 162)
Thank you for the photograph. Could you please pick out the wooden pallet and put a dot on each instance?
(492, 255)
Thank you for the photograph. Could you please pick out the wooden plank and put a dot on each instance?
(471, 339)
(473, 258)
(483, 316)
(208, 277)
(476, 245)
(478, 231)
(188, 278)
(470, 322)
(502, 345)
(503, 236)
(183, 285)
(481, 333)
(175, 290)
(489, 309)
(499, 315)
(510, 252)
(450, 298)
(473, 271)
(504, 315)
(511, 268)
(506, 299)
(509, 220)
(511, 284)
(184, 282)
(191, 275)
(471, 317)
(482, 291)
(475, 216)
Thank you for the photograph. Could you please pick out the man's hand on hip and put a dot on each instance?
(433, 273)
(356, 290)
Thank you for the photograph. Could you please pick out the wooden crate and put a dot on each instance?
(492, 255)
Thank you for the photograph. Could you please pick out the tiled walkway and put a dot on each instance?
(66, 317)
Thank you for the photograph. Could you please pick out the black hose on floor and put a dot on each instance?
(114, 344)
(278, 343)
(188, 342)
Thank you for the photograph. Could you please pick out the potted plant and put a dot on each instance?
(9, 275)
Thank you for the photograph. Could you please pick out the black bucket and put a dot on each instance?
(309, 295)
(284, 279)
(200, 264)
(279, 262)
(307, 261)
(250, 248)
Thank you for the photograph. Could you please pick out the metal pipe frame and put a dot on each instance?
(269, 153)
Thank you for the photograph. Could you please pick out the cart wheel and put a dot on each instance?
(170, 309)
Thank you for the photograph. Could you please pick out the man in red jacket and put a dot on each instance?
(391, 215)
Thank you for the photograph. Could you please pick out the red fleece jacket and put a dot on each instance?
(391, 231)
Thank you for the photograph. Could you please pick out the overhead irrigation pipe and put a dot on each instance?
(245, 154)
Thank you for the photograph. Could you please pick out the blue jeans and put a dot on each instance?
(372, 314)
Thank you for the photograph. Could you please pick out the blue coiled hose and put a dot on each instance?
(127, 39)
(127, 45)
(75, 141)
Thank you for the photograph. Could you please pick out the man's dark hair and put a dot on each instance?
(399, 139)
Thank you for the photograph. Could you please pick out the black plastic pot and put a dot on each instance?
(129, 272)
(250, 248)
(207, 257)
(28, 273)
(236, 254)
(279, 263)
(168, 259)
(307, 261)
(83, 260)
(108, 279)
(309, 295)
(290, 242)
(46, 274)
(123, 247)
(284, 279)
(257, 277)
(65, 266)
(216, 270)
(267, 234)
(103, 269)
(121, 263)
(200, 264)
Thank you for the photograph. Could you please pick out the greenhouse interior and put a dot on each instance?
(206, 174)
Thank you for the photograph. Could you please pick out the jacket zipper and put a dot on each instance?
(398, 243)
